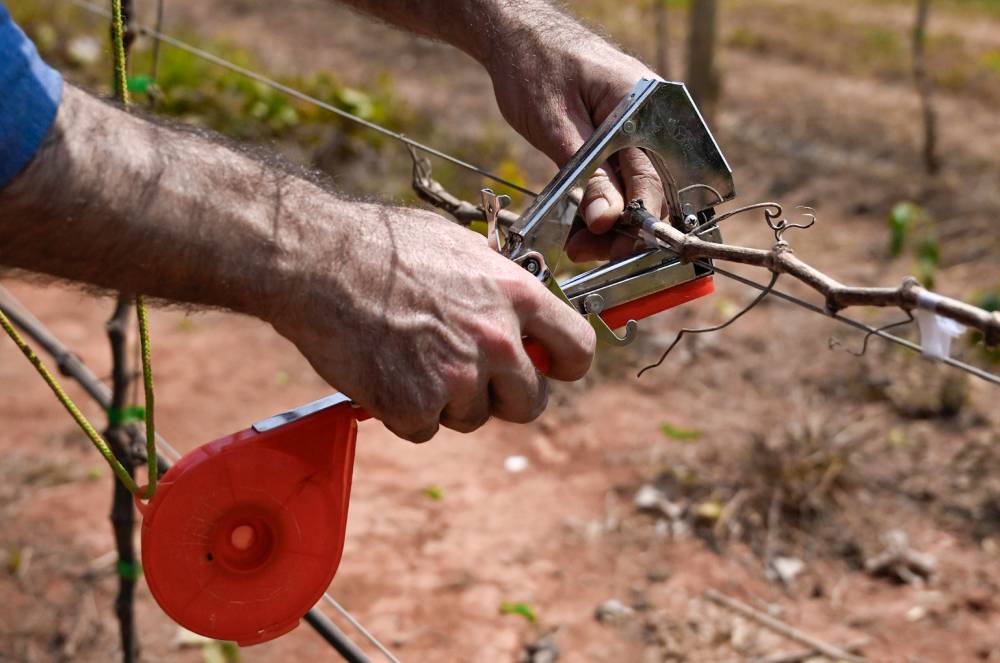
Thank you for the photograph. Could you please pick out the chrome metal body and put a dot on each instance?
(635, 277)
(296, 413)
(661, 119)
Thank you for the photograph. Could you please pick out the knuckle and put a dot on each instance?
(414, 430)
(424, 434)
(529, 405)
(521, 290)
(458, 378)
(467, 424)
(502, 345)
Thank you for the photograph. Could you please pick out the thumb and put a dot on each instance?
(602, 202)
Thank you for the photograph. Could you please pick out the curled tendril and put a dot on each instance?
(767, 207)
(780, 225)
(834, 343)
(773, 215)
(704, 330)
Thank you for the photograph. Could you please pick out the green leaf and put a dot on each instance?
(523, 609)
(14, 558)
(929, 250)
(139, 84)
(435, 493)
(220, 651)
(901, 220)
(683, 434)
(928, 258)
(990, 301)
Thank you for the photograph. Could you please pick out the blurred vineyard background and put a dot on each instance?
(768, 461)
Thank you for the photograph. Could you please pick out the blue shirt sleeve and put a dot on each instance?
(30, 91)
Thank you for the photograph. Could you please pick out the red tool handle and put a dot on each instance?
(638, 309)
(539, 355)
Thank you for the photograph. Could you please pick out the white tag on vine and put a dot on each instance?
(936, 333)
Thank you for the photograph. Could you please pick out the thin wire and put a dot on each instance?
(163, 445)
(158, 27)
(357, 625)
(874, 331)
(302, 96)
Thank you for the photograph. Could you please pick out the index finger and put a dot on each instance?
(564, 333)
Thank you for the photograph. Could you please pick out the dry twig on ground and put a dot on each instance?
(826, 649)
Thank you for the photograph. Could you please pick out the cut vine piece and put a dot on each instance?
(245, 533)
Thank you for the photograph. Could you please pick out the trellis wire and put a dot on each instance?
(851, 322)
(357, 625)
(302, 96)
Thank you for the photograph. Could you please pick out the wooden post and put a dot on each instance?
(703, 78)
(932, 163)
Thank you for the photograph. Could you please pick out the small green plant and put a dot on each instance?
(747, 39)
(991, 60)
(516, 608)
(220, 651)
(435, 493)
(911, 226)
(682, 434)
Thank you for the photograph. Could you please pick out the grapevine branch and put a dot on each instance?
(779, 259)
(121, 439)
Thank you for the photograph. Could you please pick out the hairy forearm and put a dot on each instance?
(122, 203)
(485, 29)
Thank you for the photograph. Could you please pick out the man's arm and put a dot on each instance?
(555, 81)
(414, 317)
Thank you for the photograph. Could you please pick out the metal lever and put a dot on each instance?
(492, 205)
(605, 335)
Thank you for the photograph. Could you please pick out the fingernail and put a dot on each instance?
(595, 209)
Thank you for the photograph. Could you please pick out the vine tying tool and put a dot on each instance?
(245, 533)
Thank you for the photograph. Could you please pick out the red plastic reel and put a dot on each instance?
(245, 533)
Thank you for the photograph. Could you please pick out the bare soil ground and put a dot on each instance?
(802, 452)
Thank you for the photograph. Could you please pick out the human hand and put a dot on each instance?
(421, 323)
(562, 83)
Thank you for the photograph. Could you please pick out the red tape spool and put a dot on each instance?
(245, 533)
